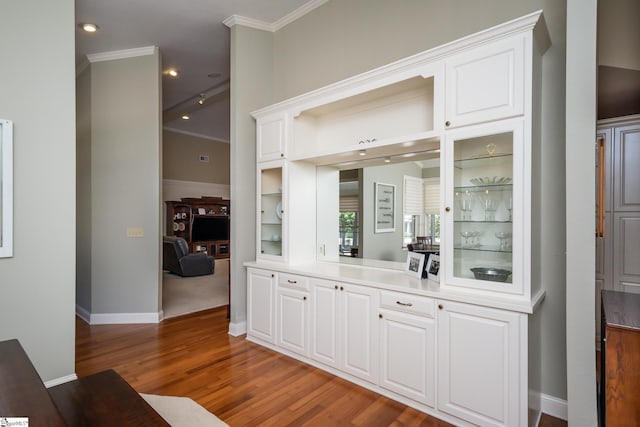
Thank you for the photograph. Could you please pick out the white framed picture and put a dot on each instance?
(433, 267)
(385, 204)
(415, 264)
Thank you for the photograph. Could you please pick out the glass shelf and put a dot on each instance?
(479, 188)
(470, 221)
(495, 249)
(484, 161)
(278, 194)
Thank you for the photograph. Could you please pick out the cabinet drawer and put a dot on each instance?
(408, 303)
(293, 281)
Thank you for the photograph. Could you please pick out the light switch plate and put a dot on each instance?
(135, 232)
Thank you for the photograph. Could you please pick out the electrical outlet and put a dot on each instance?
(135, 232)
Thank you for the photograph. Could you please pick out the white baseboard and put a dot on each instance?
(237, 329)
(83, 314)
(555, 407)
(61, 380)
(120, 318)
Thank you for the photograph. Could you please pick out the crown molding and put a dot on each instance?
(277, 25)
(122, 54)
(82, 66)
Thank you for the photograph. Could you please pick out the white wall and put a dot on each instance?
(37, 285)
(125, 174)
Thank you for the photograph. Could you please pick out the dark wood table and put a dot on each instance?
(620, 359)
(22, 392)
(103, 399)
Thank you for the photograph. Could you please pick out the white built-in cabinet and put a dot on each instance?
(343, 327)
(261, 304)
(457, 349)
(407, 346)
(479, 364)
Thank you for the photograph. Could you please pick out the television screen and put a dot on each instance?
(210, 228)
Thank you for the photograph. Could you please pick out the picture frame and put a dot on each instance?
(384, 208)
(414, 264)
(433, 267)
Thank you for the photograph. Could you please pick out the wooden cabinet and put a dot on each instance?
(486, 83)
(261, 288)
(203, 222)
(407, 346)
(271, 137)
(344, 328)
(479, 365)
(620, 352)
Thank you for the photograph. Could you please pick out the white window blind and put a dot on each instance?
(349, 204)
(413, 196)
(431, 195)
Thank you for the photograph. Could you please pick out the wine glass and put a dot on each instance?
(504, 242)
(465, 200)
(489, 204)
(467, 235)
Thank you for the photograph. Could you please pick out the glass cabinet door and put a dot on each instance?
(271, 212)
(480, 209)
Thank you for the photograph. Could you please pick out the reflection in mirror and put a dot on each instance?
(416, 177)
(6, 188)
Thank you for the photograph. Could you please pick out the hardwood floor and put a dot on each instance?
(240, 382)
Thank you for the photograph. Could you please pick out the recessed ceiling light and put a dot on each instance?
(173, 72)
(362, 152)
(185, 117)
(89, 28)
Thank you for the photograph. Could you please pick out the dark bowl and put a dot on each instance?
(492, 274)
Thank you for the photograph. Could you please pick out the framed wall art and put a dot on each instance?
(384, 206)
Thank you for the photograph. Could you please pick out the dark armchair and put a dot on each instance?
(177, 259)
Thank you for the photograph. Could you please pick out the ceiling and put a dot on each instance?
(191, 38)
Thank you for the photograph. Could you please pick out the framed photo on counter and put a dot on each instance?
(433, 267)
(415, 264)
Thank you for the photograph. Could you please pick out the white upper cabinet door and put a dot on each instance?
(486, 83)
(271, 137)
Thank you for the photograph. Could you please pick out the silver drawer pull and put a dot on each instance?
(404, 304)
(293, 282)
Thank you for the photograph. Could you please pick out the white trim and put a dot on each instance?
(122, 54)
(248, 22)
(555, 407)
(197, 135)
(277, 25)
(57, 381)
(121, 318)
(84, 314)
(237, 328)
(82, 66)
(622, 120)
(298, 13)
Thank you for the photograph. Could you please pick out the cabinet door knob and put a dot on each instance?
(335, 286)
(304, 298)
(447, 209)
(341, 288)
(380, 315)
(273, 275)
(440, 307)
(281, 154)
(447, 123)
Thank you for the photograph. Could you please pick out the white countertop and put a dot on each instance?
(399, 281)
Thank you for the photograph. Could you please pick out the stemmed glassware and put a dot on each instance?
(504, 239)
(489, 204)
(465, 201)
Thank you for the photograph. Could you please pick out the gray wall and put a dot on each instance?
(37, 93)
(251, 74)
(125, 175)
(181, 161)
(580, 229)
(341, 39)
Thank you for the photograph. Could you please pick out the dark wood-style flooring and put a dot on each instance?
(242, 383)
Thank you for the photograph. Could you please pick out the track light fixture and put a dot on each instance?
(202, 99)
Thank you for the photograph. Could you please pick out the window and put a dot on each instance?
(410, 227)
(348, 232)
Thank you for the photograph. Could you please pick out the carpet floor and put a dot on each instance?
(183, 295)
(182, 411)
